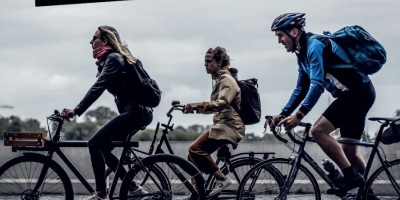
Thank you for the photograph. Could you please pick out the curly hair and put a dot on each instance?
(219, 54)
(113, 39)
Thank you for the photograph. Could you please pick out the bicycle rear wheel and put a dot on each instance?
(180, 173)
(380, 185)
(265, 181)
(19, 176)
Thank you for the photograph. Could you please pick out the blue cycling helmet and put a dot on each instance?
(288, 20)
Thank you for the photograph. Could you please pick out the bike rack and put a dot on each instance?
(17, 139)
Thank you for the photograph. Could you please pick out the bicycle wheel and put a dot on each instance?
(178, 185)
(237, 170)
(265, 181)
(19, 176)
(381, 186)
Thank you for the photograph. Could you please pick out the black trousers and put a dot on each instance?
(116, 130)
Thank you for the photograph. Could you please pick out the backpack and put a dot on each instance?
(148, 92)
(367, 54)
(250, 105)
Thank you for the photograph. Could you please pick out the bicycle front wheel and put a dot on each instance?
(19, 176)
(180, 179)
(266, 180)
(383, 185)
(237, 170)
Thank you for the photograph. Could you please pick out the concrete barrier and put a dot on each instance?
(81, 158)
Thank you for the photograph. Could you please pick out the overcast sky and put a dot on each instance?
(46, 60)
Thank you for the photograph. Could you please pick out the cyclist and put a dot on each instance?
(354, 93)
(113, 62)
(227, 127)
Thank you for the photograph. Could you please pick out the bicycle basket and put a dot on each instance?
(391, 135)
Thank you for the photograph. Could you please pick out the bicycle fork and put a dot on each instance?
(295, 162)
(43, 174)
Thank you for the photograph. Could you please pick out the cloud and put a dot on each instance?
(46, 60)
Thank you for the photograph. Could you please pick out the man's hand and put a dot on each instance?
(275, 121)
(289, 122)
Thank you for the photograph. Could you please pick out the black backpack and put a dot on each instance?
(147, 91)
(250, 105)
(368, 55)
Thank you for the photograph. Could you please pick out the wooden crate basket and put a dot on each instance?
(16, 139)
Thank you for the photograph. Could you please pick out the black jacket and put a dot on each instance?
(113, 75)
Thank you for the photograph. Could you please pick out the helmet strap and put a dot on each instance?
(295, 47)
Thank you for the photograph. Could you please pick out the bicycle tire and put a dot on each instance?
(110, 175)
(239, 167)
(172, 188)
(18, 177)
(261, 183)
(380, 184)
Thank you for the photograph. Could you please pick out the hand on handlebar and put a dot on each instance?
(189, 108)
(67, 113)
(275, 121)
(289, 122)
(193, 107)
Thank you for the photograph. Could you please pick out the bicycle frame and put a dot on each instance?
(302, 154)
(54, 145)
(227, 159)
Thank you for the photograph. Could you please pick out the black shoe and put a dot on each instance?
(371, 195)
(349, 183)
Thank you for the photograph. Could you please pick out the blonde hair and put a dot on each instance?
(111, 35)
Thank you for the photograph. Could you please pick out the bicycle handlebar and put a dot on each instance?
(276, 130)
(176, 105)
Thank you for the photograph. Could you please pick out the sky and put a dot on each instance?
(46, 60)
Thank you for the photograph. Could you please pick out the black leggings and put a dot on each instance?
(116, 130)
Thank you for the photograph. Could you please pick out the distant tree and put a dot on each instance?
(101, 115)
(93, 121)
(32, 125)
(79, 131)
(15, 124)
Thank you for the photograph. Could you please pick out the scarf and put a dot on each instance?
(100, 52)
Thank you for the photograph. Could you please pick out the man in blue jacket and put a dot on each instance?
(353, 90)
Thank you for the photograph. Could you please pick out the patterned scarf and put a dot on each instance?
(100, 52)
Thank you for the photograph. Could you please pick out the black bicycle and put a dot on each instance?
(37, 175)
(235, 165)
(384, 183)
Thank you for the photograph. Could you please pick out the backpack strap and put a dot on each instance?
(232, 104)
(330, 58)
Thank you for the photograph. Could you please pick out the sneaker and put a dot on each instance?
(349, 183)
(140, 192)
(96, 196)
(220, 185)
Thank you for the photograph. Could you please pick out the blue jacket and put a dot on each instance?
(312, 77)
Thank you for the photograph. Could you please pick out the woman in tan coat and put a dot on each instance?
(227, 127)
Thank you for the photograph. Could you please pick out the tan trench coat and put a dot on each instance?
(227, 123)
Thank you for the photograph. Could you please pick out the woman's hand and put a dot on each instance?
(67, 113)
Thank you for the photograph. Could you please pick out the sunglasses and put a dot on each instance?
(94, 38)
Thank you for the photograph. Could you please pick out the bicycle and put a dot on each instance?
(237, 164)
(382, 182)
(35, 176)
